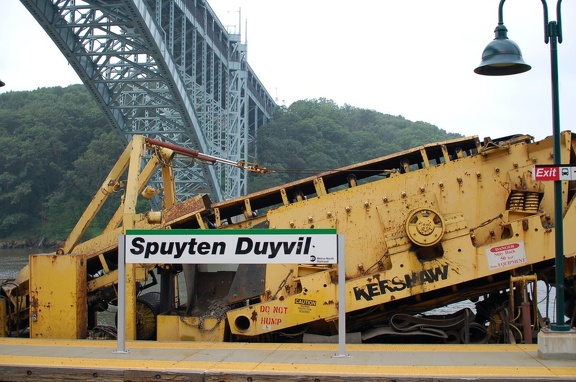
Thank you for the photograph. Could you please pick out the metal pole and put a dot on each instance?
(558, 205)
(341, 299)
(121, 325)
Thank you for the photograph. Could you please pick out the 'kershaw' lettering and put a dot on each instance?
(246, 245)
(175, 249)
(397, 284)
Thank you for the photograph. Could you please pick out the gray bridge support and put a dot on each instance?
(166, 69)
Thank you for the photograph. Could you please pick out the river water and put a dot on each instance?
(12, 260)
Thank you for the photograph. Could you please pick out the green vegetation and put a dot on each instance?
(316, 135)
(57, 148)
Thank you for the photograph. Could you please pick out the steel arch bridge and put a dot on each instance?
(166, 69)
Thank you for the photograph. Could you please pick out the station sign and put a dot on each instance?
(222, 246)
(554, 172)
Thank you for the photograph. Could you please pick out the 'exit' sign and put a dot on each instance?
(554, 172)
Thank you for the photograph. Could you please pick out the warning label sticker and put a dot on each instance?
(508, 255)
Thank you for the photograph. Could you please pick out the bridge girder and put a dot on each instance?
(167, 69)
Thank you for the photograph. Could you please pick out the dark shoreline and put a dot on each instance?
(29, 243)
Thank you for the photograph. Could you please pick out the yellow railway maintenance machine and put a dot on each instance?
(461, 220)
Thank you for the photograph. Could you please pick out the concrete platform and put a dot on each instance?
(79, 360)
(557, 345)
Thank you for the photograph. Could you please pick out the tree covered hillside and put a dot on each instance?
(57, 148)
(316, 135)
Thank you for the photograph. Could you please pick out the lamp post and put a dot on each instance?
(503, 57)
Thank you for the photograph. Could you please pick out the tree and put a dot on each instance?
(65, 206)
(317, 135)
(42, 133)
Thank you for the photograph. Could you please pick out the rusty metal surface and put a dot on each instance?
(58, 305)
(188, 208)
(378, 167)
(248, 283)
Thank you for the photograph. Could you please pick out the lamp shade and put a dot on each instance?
(501, 57)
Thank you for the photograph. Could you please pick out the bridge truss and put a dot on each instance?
(166, 69)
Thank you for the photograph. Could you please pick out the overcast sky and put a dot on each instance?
(413, 58)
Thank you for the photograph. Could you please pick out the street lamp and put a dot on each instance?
(503, 57)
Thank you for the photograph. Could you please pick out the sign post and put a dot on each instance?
(255, 246)
(121, 330)
(557, 173)
(341, 300)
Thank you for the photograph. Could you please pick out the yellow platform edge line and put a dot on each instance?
(467, 371)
